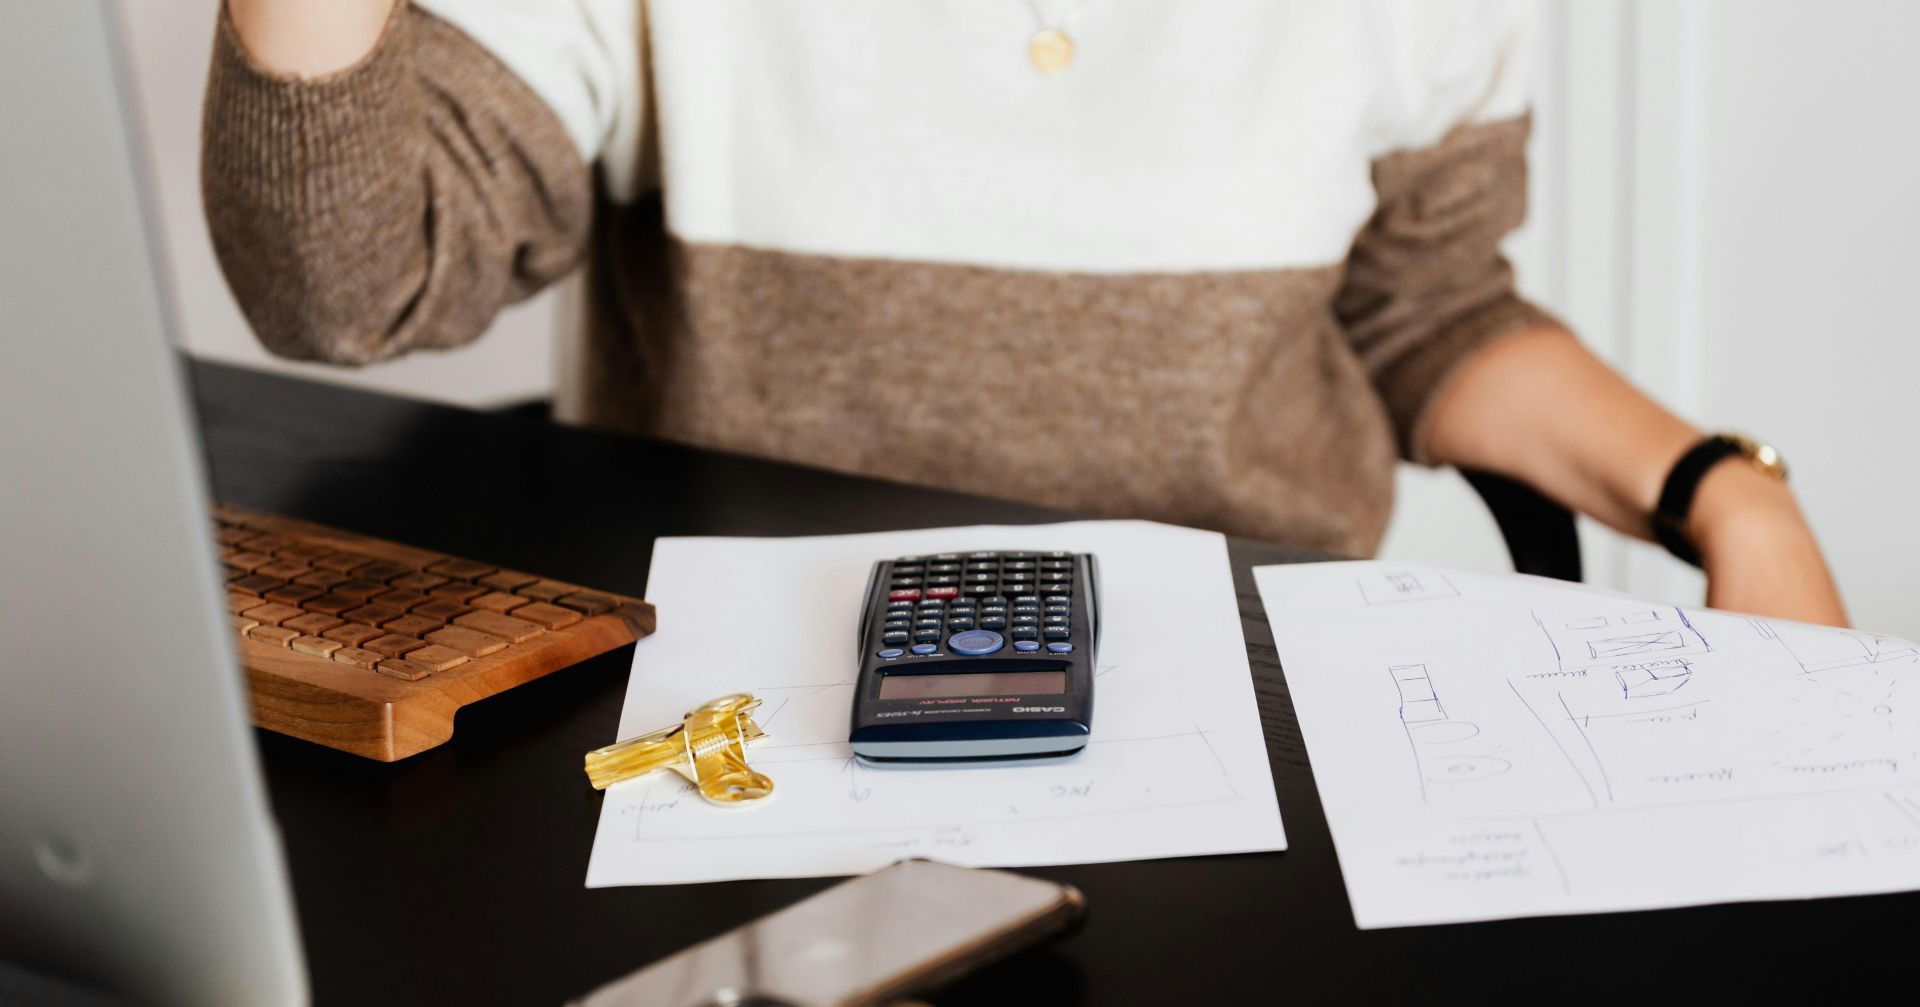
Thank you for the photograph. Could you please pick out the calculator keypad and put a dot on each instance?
(979, 603)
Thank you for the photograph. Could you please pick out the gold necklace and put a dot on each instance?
(1051, 48)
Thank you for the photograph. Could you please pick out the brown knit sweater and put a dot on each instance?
(401, 203)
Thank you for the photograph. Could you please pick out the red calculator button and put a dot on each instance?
(904, 594)
(941, 592)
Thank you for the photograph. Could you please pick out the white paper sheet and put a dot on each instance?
(1177, 764)
(1494, 746)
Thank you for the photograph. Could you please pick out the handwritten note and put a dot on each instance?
(1177, 764)
(1491, 746)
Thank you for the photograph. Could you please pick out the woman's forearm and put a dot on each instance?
(1538, 407)
(308, 38)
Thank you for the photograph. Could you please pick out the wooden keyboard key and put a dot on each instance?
(254, 583)
(341, 562)
(272, 634)
(460, 569)
(358, 658)
(381, 570)
(435, 657)
(403, 670)
(549, 616)
(373, 615)
(392, 645)
(272, 614)
(458, 592)
(284, 570)
(505, 627)
(495, 601)
(266, 542)
(546, 590)
(507, 580)
(402, 599)
(439, 609)
(587, 604)
(322, 579)
(248, 560)
(470, 642)
(231, 535)
(302, 552)
(353, 634)
(330, 604)
(317, 646)
(240, 601)
(360, 588)
(241, 624)
(411, 625)
(313, 623)
(292, 594)
(418, 582)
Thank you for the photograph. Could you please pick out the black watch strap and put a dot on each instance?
(1676, 497)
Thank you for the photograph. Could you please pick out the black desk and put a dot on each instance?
(457, 876)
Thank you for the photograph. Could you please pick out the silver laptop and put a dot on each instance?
(137, 854)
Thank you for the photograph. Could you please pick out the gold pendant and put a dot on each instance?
(1051, 50)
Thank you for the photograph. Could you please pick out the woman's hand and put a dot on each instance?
(1759, 554)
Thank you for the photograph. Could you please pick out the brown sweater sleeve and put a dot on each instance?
(1426, 285)
(399, 203)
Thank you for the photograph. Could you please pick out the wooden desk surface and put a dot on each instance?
(457, 876)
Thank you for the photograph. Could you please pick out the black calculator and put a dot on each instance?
(977, 657)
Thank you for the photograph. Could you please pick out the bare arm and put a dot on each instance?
(1536, 406)
(309, 38)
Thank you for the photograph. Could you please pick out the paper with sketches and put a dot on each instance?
(1495, 746)
(1177, 764)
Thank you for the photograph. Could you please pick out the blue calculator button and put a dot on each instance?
(1060, 648)
(975, 642)
(924, 648)
(890, 653)
(1026, 646)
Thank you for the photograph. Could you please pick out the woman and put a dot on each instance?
(1214, 263)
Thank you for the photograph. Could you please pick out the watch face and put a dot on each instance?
(1763, 456)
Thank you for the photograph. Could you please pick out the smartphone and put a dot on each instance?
(900, 931)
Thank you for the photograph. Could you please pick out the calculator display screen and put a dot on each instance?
(992, 683)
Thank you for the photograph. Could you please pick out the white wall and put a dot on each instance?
(1724, 205)
(171, 40)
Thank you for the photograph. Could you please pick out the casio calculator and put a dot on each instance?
(976, 657)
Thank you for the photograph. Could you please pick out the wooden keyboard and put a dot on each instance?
(370, 647)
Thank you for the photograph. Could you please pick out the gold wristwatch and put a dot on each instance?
(1676, 496)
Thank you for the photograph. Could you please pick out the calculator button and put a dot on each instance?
(975, 642)
(924, 648)
(1026, 646)
(900, 603)
(943, 592)
(963, 605)
(893, 624)
(995, 600)
(1057, 633)
(1060, 648)
(904, 594)
(900, 569)
(897, 636)
(906, 582)
(1017, 566)
(960, 622)
(890, 653)
(979, 590)
(1059, 599)
(1056, 620)
(1025, 633)
(926, 635)
(993, 622)
(1027, 599)
(942, 580)
(982, 578)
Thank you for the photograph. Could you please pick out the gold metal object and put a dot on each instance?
(708, 747)
(1763, 456)
(1051, 50)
